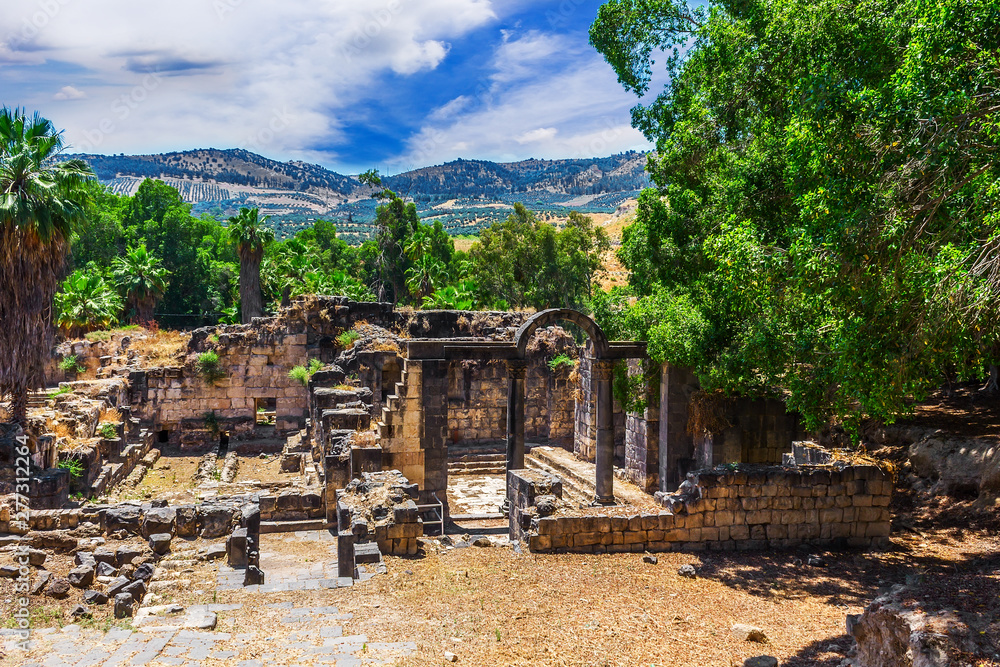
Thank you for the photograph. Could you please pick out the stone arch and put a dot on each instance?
(553, 315)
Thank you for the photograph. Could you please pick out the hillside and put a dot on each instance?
(464, 195)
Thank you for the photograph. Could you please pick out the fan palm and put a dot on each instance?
(40, 201)
(250, 233)
(86, 302)
(142, 281)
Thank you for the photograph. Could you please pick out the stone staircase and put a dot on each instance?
(477, 459)
(577, 489)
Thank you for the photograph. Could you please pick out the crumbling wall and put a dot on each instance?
(766, 507)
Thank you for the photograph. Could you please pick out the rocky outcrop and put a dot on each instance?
(894, 631)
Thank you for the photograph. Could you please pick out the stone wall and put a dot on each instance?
(765, 507)
(477, 403)
(760, 431)
(642, 432)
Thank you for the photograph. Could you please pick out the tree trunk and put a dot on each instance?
(251, 305)
(19, 406)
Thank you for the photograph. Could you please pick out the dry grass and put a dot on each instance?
(162, 348)
(109, 415)
(388, 346)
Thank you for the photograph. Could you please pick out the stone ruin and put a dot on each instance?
(370, 440)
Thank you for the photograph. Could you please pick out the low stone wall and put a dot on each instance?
(726, 510)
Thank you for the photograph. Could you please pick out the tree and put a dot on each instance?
(86, 302)
(40, 200)
(250, 234)
(825, 219)
(529, 263)
(142, 280)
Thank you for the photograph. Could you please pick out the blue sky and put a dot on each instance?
(394, 84)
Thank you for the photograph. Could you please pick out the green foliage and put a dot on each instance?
(40, 201)
(86, 302)
(61, 391)
(209, 368)
(528, 263)
(825, 223)
(347, 338)
(108, 431)
(142, 280)
(70, 364)
(74, 465)
(561, 361)
(303, 374)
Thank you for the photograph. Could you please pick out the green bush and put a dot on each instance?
(209, 368)
(347, 339)
(303, 374)
(561, 361)
(211, 422)
(75, 467)
(71, 364)
(108, 431)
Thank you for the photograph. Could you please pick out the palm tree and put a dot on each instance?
(142, 281)
(86, 302)
(40, 201)
(250, 234)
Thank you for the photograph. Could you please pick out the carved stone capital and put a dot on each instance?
(517, 369)
(603, 369)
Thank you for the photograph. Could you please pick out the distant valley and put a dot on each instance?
(464, 195)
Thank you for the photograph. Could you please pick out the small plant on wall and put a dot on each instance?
(209, 368)
(303, 374)
(347, 339)
(71, 364)
(74, 466)
(562, 361)
(108, 431)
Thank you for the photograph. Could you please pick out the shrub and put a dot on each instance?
(108, 431)
(59, 392)
(71, 364)
(211, 422)
(209, 368)
(75, 467)
(561, 361)
(303, 374)
(347, 339)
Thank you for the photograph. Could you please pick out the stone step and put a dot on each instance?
(291, 526)
(575, 490)
(477, 468)
(476, 458)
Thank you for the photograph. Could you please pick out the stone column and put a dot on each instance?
(603, 371)
(517, 370)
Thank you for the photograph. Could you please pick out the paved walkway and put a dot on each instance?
(301, 636)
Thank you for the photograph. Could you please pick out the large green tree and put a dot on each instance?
(250, 233)
(529, 263)
(825, 222)
(40, 200)
(140, 276)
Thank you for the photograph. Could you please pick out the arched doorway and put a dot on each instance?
(602, 372)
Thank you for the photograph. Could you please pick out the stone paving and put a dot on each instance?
(285, 573)
(476, 494)
(302, 636)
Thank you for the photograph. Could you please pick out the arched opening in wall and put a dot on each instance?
(552, 383)
(266, 411)
(223, 443)
(163, 436)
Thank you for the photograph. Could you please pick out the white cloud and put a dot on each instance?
(545, 100)
(539, 135)
(213, 73)
(69, 93)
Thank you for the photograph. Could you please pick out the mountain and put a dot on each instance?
(464, 195)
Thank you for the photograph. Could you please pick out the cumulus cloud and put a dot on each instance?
(69, 93)
(215, 74)
(545, 99)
